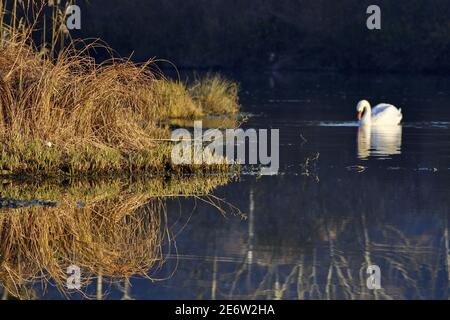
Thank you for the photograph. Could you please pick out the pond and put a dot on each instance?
(345, 198)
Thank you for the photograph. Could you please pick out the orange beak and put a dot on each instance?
(359, 116)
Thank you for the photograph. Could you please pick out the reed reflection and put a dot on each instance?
(318, 245)
(111, 229)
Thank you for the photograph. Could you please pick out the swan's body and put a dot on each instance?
(382, 114)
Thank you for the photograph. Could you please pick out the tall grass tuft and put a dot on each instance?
(215, 95)
(62, 112)
(174, 100)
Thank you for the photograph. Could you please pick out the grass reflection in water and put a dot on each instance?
(111, 229)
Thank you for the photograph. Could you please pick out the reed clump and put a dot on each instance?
(174, 101)
(64, 113)
(215, 95)
(210, 95)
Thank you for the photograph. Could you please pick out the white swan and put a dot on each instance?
(382, 114)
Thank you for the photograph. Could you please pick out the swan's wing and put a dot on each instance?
(386, 114)
(382, 107)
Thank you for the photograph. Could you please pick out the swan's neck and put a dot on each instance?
(367, 117)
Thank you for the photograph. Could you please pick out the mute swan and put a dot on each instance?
(382, 114)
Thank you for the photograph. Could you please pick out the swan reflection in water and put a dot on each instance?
(379, 141)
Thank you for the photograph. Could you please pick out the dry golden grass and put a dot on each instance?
(174, 101)
(74, 100)
(215, 95)
(206, 96)
(63, 113)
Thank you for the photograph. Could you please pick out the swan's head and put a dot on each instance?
(361, 107)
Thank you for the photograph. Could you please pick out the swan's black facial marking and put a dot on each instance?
(363, 112)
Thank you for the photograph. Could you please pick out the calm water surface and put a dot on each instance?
(366, 197)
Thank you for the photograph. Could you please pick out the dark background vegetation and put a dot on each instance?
(276, 34)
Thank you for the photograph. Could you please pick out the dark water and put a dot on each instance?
(364, 198)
